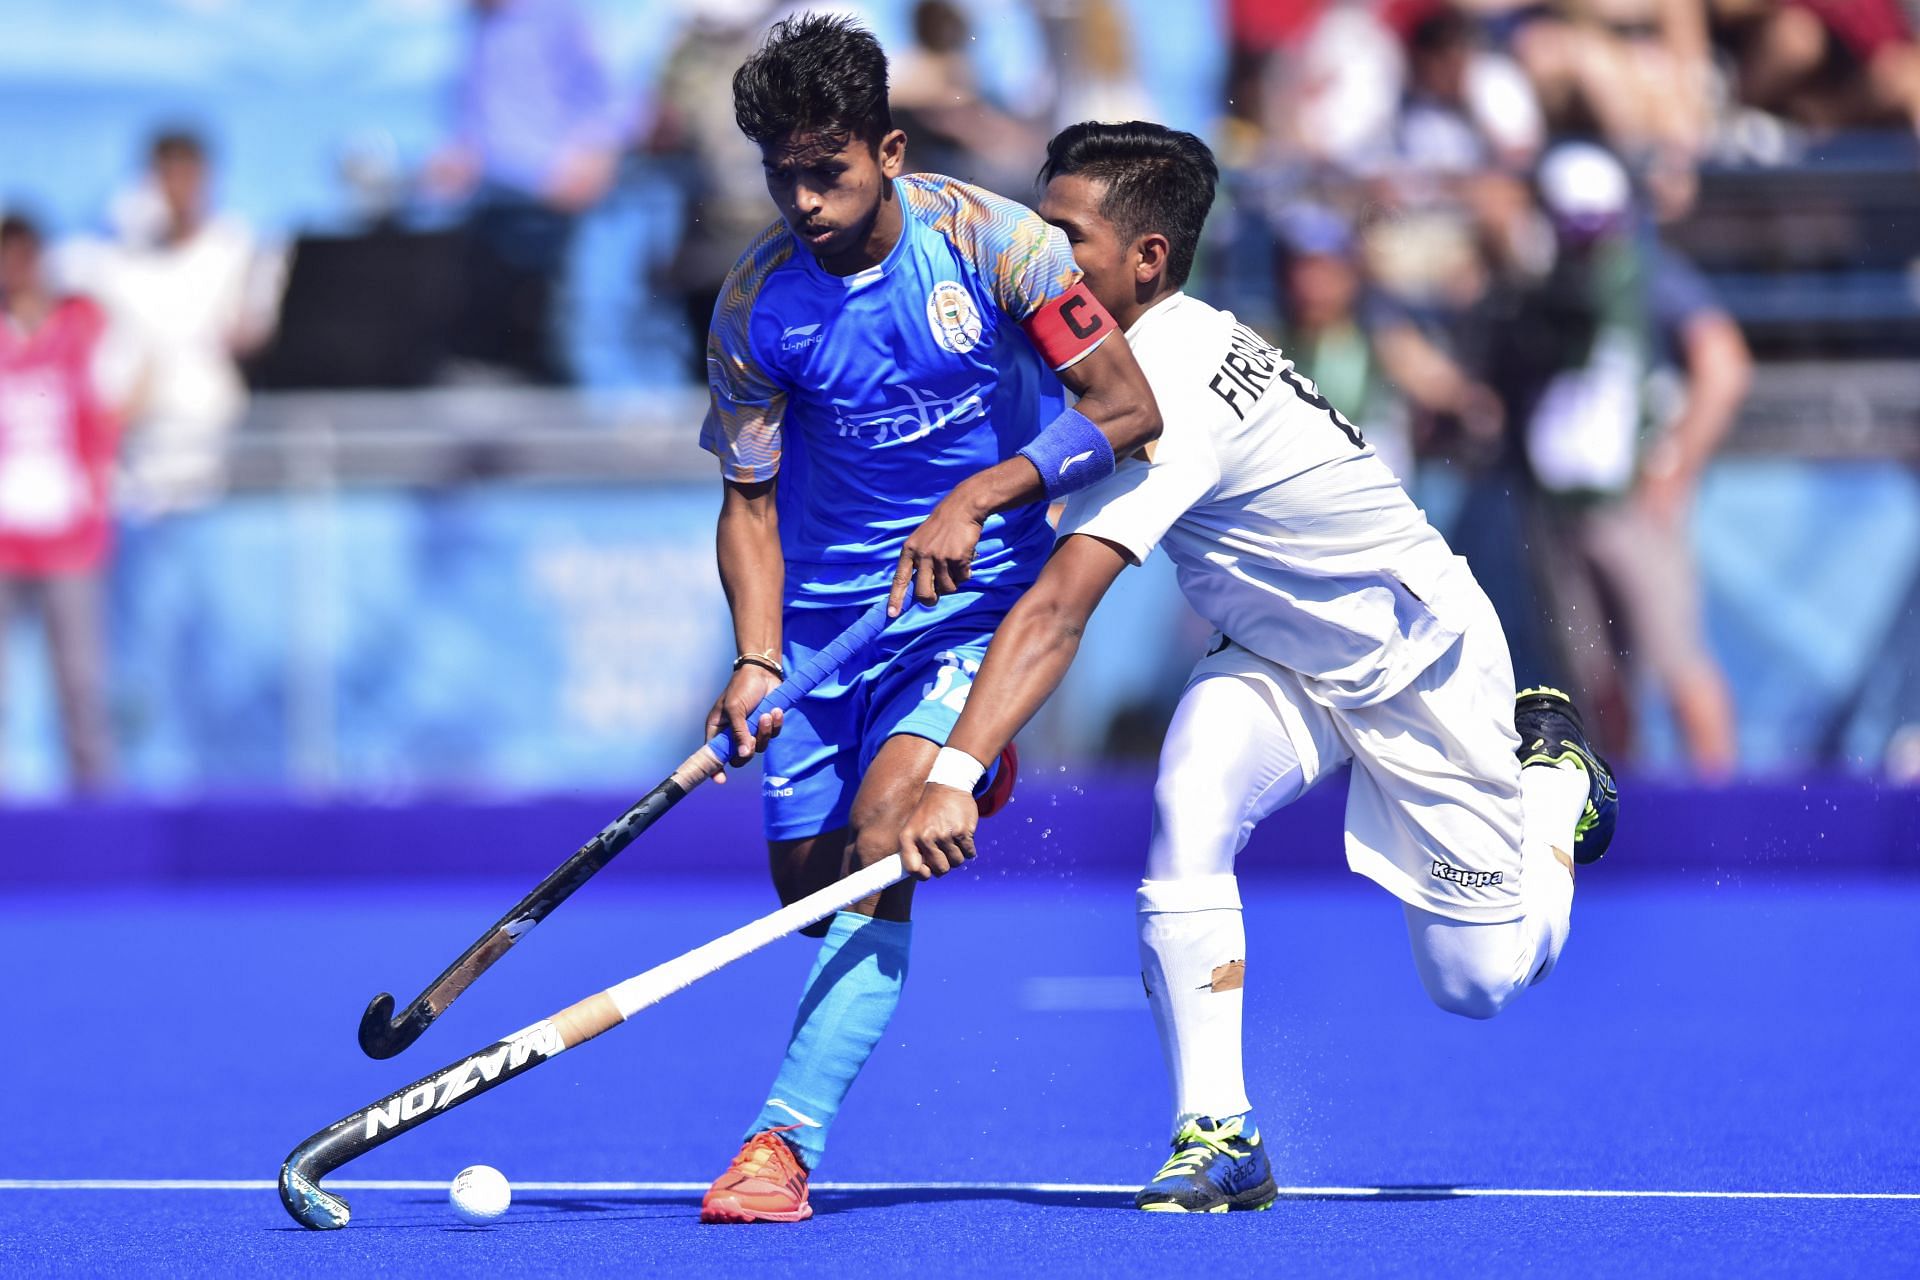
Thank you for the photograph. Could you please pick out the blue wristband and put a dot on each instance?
(1070, 454)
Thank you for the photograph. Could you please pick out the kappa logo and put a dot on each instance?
(801, 336)
(777, 788)
(1466, 879)
(953, 317)
(541, 1040)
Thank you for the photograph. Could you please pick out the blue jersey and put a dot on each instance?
(871, 396)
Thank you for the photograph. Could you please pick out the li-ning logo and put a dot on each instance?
(1467, 879)
(800, 337)
(777, 788)
(541, 1040)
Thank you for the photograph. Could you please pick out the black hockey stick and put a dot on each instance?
(409, 1108)
(382, 1035)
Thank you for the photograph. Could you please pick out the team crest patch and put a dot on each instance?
(954, 319)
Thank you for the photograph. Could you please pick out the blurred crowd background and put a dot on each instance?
(351, 365)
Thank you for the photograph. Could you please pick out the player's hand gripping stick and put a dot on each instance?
(382, 1035)
(473, 1075)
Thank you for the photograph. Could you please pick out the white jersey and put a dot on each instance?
(1289, 535)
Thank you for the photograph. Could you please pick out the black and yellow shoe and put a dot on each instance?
(1551, 734)
(1217, 1165)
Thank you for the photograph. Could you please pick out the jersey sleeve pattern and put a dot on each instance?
(744, 417)
(1025, 261)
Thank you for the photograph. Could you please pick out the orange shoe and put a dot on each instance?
(1000, 790)
(765, 1183)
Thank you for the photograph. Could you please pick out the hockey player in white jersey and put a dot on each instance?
(1347, 631)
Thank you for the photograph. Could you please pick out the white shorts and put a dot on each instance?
(1433, 807)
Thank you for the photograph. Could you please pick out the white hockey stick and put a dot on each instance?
(545, 1040)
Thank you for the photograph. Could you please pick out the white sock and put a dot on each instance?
(1552, 797)
(1193, 948)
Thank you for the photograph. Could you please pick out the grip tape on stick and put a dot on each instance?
(809, 675)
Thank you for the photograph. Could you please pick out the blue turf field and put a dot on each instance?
(1695, 1038)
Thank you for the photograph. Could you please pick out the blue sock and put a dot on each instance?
(849, 999)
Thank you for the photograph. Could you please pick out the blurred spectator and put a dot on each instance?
(1705, 372)
(1610, 551)
(1640, 73)
(950, 126)
(188, 291)
(57, 439)
(1827, 64)
(1321, 291)
(1091, 44)
(1263, 37)
(1329, 99)
(1378, 86)
(725, 187)
(1636, 71)
(536, 143)
(1444, 168)
(1466, 108)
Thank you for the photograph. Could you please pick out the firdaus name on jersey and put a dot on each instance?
(1250, 366)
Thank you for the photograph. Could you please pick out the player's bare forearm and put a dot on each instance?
(752, 570)
(1035, 645)
(1720, 372)
(753, 573)
(1114, 393)
(938, 556)
(1029, 655)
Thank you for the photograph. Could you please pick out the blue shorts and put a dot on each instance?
(915, 680)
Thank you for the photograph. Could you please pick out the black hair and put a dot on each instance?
(817, 74)
(19, 226)
(1158, 179)
(938, 26)
(1442, 31)
(176, 144)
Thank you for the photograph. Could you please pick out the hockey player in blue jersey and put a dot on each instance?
(886, 364)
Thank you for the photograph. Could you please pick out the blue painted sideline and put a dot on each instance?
(1058, 824)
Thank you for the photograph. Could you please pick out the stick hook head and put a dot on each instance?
(382, 1035)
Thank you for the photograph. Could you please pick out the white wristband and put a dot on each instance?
(955, 768)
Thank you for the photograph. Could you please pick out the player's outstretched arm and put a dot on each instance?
(1114, 393)
(1025, 663)
(752, 572)
(1115, 416)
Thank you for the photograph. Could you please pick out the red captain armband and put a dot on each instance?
(1067, 327)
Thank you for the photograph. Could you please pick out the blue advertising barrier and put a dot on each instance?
(512, 639)
(1059, 824)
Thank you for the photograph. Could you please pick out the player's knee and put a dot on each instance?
(871, 843)
(1189, 839)
(792, 884)
(1469, 989)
